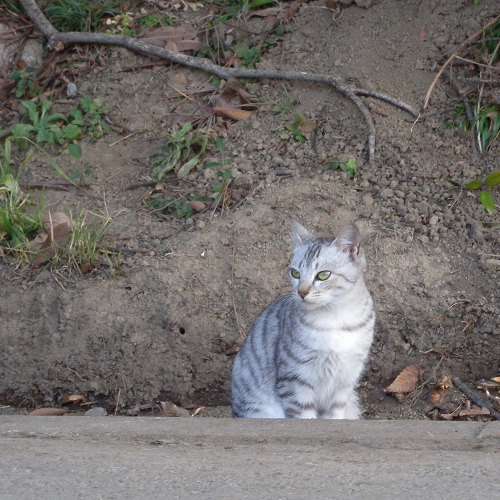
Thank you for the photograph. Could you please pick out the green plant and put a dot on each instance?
(486, 121)
(286, 104)
(19, 218)
(155, 20)
(42, 127)
(26, 82)
(166, 203)
(182, 152)
(121, 24)
(89, 116)
(240, 8)
(84, 245)
(347, 166)
(221, 194)
(80, 15)
(301, 128)
(248, 55)
(487, 125)
(490, 43)
(485, 196)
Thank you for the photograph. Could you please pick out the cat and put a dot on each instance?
(305, 353)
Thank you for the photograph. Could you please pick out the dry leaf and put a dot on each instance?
(57, 229)
(496, 379)
(269, 12)
(439, 389)
(291, 11)
(332, 5)
(197, 411)
(176, 39)
(73, 398)
(472, 412)
(48, 412)
(406, 381)
(234, 114)
(85, 268)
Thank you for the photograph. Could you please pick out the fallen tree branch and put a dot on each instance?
(57, 40)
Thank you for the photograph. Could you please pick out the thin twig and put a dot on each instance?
(57, 40)
(448, 61)
(477, 400)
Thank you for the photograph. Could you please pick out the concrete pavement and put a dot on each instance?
(119, 458)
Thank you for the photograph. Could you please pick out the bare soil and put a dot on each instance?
(167, 326)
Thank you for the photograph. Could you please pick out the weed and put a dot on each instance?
(486, 120)
(487, 125)
(121, 24)
(89, 116)
(287, 103)
(485, 196)
(166, 203)
(80, 15)
(84, 245)
(294, 128)
(240, 8)
(182, 152)
(347, 166)
(248, 55)
(490, 43)
(42, 127)
(19, 219)
(221, 194)
(26, 82)
(56, 128)
(153, 20)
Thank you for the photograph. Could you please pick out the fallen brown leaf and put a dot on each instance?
(439, 389)
(234, 114)
(57, 229)
(472, 412)
(406, 381)
(73, 398)
(48, 412)
(174, 38)
(291, 11)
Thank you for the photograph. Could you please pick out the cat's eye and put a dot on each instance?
(323, 275)
(295, 274)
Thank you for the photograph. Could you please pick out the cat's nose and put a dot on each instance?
(302, 293)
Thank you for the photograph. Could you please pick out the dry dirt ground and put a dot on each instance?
(167, 326)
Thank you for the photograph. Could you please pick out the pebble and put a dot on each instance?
(97, 411)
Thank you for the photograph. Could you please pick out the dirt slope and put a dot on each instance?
(166, 327)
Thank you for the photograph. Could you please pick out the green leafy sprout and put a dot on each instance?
(485, 195)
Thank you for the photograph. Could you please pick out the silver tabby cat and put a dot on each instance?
(305, 353)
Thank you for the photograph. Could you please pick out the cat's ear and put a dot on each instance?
(349, 240)
(300, 235)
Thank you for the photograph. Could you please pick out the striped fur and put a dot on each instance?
(305, 353)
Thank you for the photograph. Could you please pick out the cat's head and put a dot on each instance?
(323, 270)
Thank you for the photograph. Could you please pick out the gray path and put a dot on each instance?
(118, 458)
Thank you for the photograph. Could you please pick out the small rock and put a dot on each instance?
(198, 206)
(71, 90)
(433, 220)
(97, 411)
